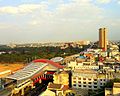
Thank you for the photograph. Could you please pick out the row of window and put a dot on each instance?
(88, 82)
(89, 79)
(95, 83)
(85, 86)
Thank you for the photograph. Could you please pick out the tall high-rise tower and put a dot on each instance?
(102, 38)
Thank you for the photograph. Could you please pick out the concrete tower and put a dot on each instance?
(102, 38)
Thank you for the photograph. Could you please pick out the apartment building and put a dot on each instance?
(88, 79)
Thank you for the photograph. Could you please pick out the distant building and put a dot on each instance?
(103, 38)
(80, 64)
(12, 45)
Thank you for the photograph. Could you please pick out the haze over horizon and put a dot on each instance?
(57, 20)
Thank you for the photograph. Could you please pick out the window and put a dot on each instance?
(95, 79)
(104, 83)
(95, 86)
(90, 86)
(74, 84)
(74, 81)
(89, 79)
(89, 83)
(79, 85)
(95, 83)
(84, 82)
(79, 78)
(79, 81)
(84, 85)
(84, 78)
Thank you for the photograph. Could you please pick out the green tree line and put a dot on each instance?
(27, 54)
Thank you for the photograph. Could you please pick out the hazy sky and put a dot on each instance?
(23, 21)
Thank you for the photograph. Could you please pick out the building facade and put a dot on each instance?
(88, 79)
(61, 78)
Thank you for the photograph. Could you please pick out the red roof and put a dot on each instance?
(49, 62)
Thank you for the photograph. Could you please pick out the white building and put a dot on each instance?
(88, 79)
(82, 65)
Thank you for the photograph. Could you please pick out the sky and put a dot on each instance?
(28, 21)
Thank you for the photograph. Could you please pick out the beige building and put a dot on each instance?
(81, 65)
(103, 38)
(61, 78)
(88, 79)
(115, 91)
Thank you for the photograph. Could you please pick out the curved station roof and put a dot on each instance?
(28, 71)
(33, 68)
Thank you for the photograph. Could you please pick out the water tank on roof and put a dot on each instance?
(82, 57)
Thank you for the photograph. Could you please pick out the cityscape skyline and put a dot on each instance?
(59, 48)
(28, 21)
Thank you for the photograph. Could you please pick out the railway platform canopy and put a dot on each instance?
(27, 71)
(35, 67)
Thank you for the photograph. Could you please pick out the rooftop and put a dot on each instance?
(85, 71)
(27, 71)
(57, 86)
(57, 59)
(49, 62)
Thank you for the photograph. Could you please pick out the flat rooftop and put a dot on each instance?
(85, 71)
